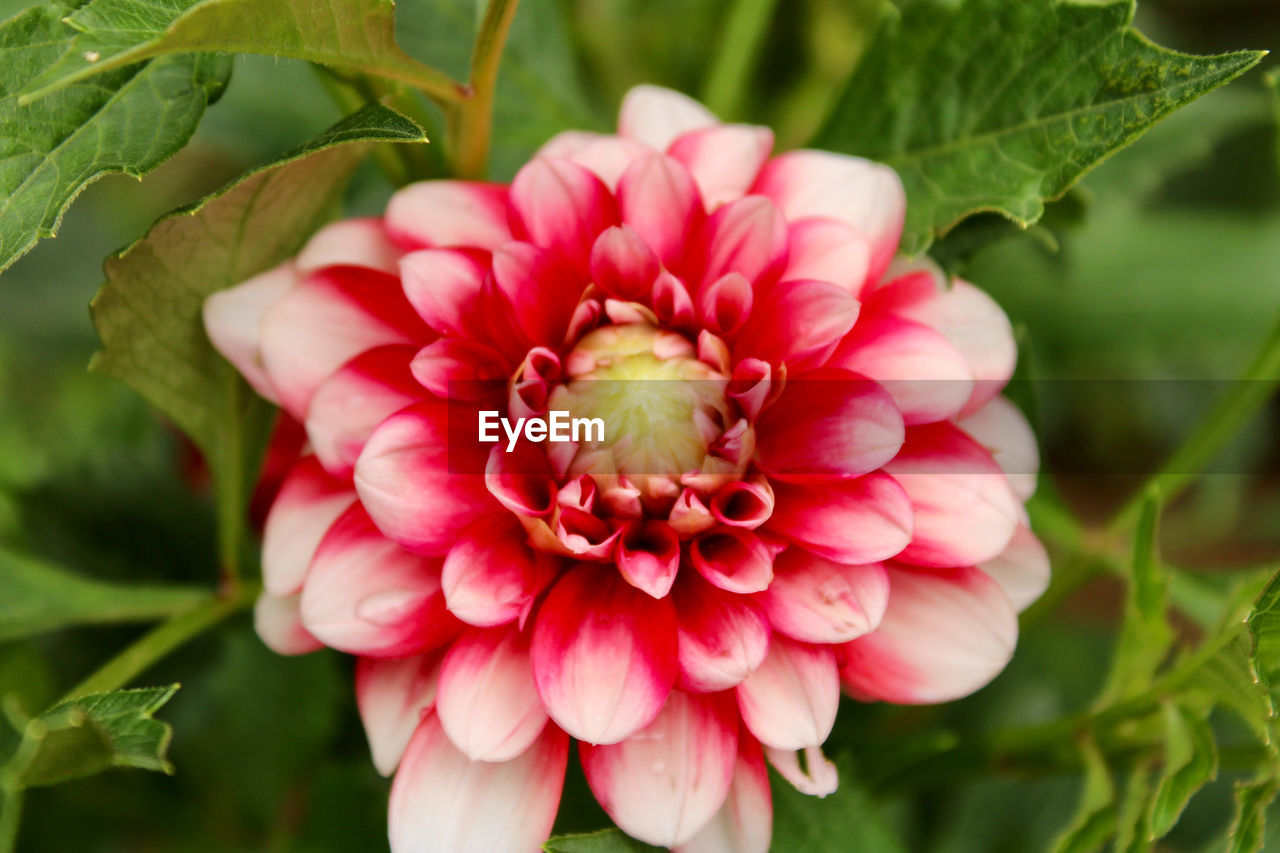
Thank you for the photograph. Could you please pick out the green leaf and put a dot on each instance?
(36, 597)
(92, 734)
(1250, 822)
(847, 819)
(604, 841)
(1095, 819)
(148, 314)
(357, 35)
(1131, 817)
(1145, 635)
(986, 105)
(1190, 763)
(130, 120)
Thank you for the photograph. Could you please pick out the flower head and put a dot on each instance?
(805, 478)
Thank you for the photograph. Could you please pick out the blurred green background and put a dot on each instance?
(1172, 271)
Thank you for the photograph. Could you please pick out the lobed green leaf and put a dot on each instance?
(604, 841)
(1190, 763)
(986, 105)
(129, 121)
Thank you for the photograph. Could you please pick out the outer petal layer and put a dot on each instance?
(790, 702)
(392, 695)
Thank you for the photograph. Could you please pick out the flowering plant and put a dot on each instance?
(616, 459)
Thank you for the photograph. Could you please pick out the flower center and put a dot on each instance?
(662, 408)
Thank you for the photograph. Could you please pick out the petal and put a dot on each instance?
(488, 703)
(744, 823)
(828, 250)
(798, 322)
(308, 503)
(233, 321)
(392, 695)
(279, 625)
(606, 155)
(965, 511)
(622, 265)
(442, 802)
(818, 776)
(944, 635)
(332, 316)
(828, 423)
(491, 575)
(563, 207)
(366, 595)
(604, 655)
(445, 287)
(421, 491)
(1003, 430)
(723, 160)
(350, 243)
(656, 116)
(449, 213)
(723, 636)
(540, 289)
(1022, 569)
(648, 556)
(925, 374)
(814, 600)
(790, 701)
(667, 781)
(350, 404)
(658, 198)
(733, 559)
(747, 236)
(865, 195)
(863, 520)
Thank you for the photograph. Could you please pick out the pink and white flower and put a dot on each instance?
(809, 481)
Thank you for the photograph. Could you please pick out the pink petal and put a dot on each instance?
(309, 502)
(445, 287)
(488, 703)
(965, 511)
(656, 116)
(744, 823)
(350, 404)
(563, 207)
(790, 701)
(541, 290)
(491, 574)
(723, 636)
(1003, 430)
(449, 213)
(828, 250)
(965, 316)
(421, 491)
(818, 778)
(658, 198)
(828, 423)
(648, 556)
(671, 301)
(798, 322)
(622, 265)
(925, 374)
(332, 316)
(944, 635)
(863, 520)
(459, 369)
(392, 695)
(606, 155)
(733, 559)
(746, 504)
(865, 195)
(352, 243)
(814, 600)
(279, 625)
(667, 781)
(725, 304)
(604, 655)
(366, 595)
(747, 236)
(442, 802)
(233, 321)
(724, 160)
(1022, 569)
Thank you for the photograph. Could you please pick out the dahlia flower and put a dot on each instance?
(808, 480)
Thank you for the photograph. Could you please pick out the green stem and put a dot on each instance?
(740, 42)
(1231, 414)
(471, 120)
(161, 640)
(10, 818)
